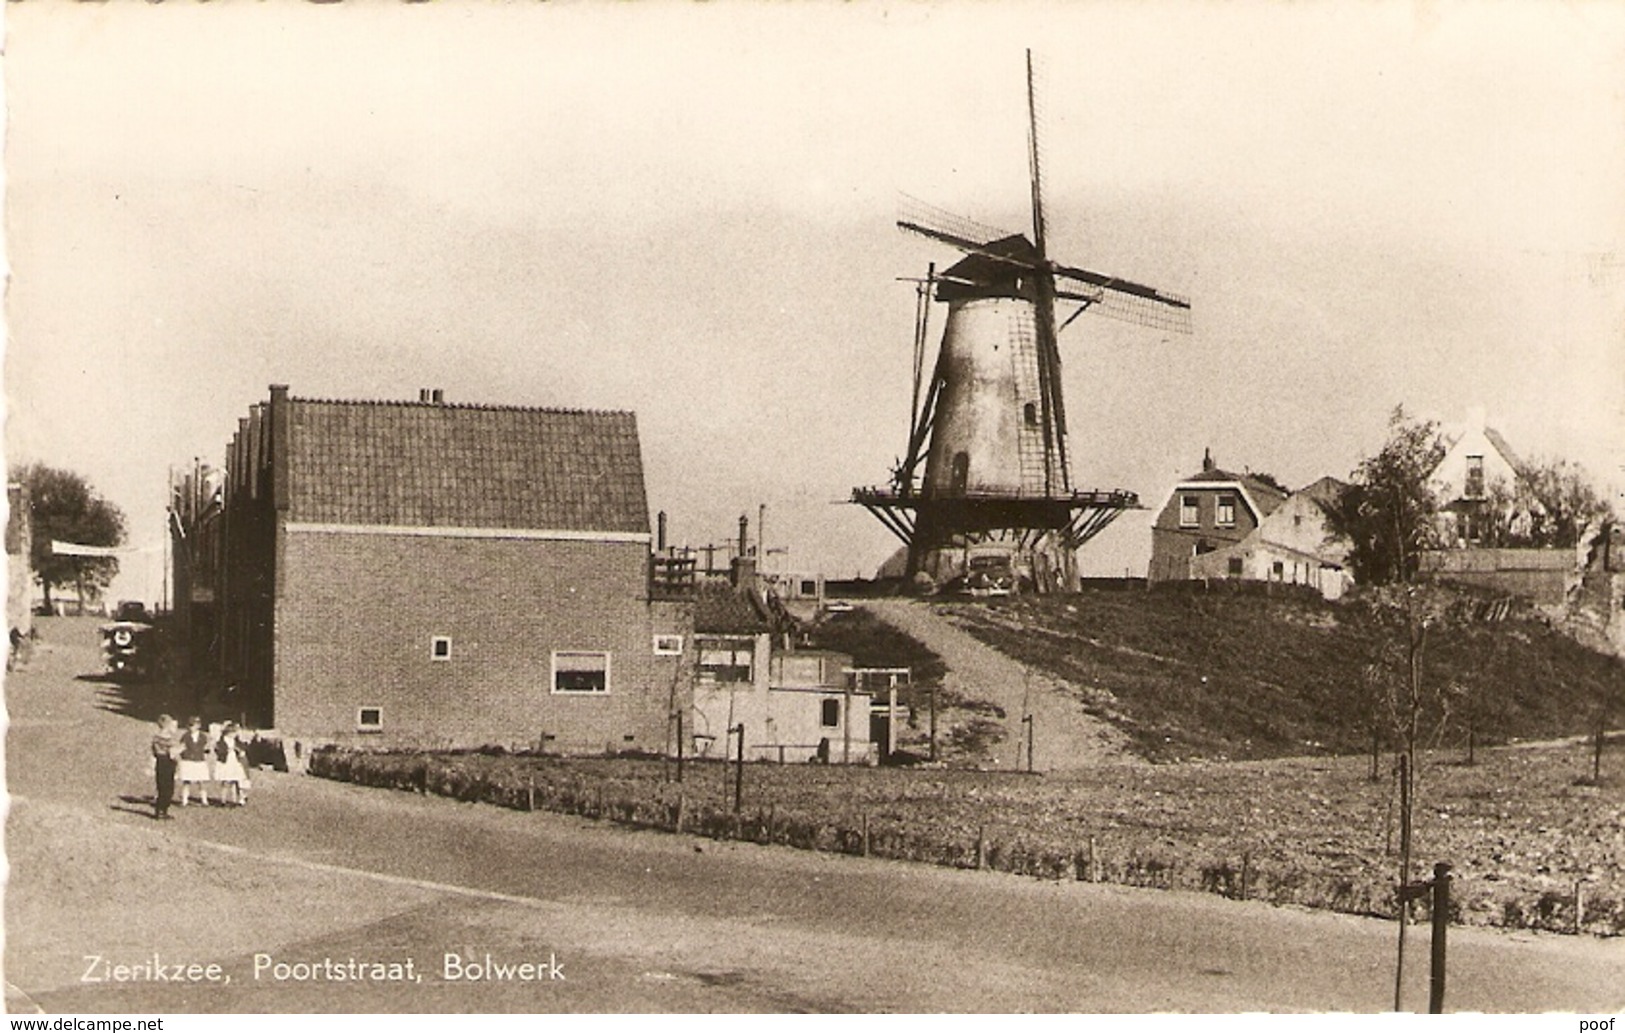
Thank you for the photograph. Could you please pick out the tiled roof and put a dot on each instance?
(1325, 492)
(435, 465)
(722, 609)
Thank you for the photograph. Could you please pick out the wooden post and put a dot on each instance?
(530, 793)
(1441, 921)
(864, 842)
(891, 718)
(846, 725)
(1579, 906)
(1596, 753)
(739, 769)
(981, 847)
(1246, 871)
(682, 805)
(1376, 749)
(933, 723)
(679, 748)
(1094, 862)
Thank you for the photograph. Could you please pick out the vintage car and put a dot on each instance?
(989, 575)
(129, 649)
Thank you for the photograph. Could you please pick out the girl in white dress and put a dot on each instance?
(194, 762)
(230, 766)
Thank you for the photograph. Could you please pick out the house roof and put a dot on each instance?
(1325, 492)
(438, 465)
(722, 609)
(1265, 497)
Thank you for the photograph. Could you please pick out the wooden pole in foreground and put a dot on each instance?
(933, 723)
(739, 769)
(1441, 921)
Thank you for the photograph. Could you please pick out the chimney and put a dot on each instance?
(744, 535)
(1207, 460)
(437, 396)
(660, 531)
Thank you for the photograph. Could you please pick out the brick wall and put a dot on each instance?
(356, 615)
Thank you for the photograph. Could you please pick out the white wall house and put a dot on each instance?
(1292, 545)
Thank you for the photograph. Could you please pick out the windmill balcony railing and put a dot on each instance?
(891, 495)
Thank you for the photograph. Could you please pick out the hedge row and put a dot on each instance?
(1272, 878)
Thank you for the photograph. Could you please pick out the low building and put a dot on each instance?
(1294, 544)
(429, 574)
(794, 704)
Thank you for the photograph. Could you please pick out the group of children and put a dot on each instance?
(195, 758)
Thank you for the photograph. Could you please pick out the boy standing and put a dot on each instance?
(166, 745)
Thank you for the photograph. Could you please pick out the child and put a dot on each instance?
(194, 765)
(166, 746)
(231, 766)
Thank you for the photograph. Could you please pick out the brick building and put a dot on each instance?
(1208, 511)
(444, 575)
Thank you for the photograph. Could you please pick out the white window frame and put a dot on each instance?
(434, 648)
(553, 680)
(1190, 510)
(668, 645)
(364, 726)
(1223, 504)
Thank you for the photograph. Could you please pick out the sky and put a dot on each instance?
(687, 211)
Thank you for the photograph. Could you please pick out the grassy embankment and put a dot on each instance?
(1231, 676)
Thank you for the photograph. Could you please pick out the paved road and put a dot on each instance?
(634, 921)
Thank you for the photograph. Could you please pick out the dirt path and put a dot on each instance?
(1065, 736)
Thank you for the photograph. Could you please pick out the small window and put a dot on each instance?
(1235, 566)
(831, 716)
(1279, 570)
(1227, 511)
(1203, 547)
(725, 660)
(1188, 510)
(581, 672)
(369, 719)
(1029, 412)
(440, 647)
(809, 587)
(668, 645)
(1475, 477)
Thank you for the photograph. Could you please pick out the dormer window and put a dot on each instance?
(1227, 511)
(1475, 477)
(1188, 511)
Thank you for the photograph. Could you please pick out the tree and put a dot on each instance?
(1550, 505)
(1388, 514)
(63, 506)
(1568, 504)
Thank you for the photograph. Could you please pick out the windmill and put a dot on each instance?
(995, 504)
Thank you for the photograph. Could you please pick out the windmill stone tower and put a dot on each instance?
(995, 509)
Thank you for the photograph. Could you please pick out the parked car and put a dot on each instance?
(990, 575)
(129, 649)
(135, 611)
